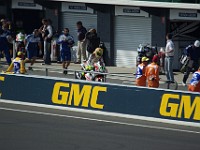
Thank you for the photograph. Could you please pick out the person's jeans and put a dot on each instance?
(5, 49)
(169, 68)
(47, 52)
(189, 69)
(81, 51)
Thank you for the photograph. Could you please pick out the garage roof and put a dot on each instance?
(139, 3)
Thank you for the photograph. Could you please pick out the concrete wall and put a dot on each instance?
(105, 97)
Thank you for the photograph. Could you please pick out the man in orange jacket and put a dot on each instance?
(152, 73)
(140, 74)
(194, 85)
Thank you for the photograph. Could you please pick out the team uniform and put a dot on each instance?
(140, 75)
(152, 75)
(194, 85)
(18, 66)
(32, 46)
(4, 44)
(65, 41)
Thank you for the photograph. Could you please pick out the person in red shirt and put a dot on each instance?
(152, 73)
(194, 85)
(140, 74)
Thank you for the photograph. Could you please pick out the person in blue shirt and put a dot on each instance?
(5, 37)
(193, 54)
(33, 43)
(66, 41)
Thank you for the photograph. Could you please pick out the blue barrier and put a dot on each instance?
(174, 105)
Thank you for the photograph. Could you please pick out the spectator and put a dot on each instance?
(193, 55)
(81, 42)
(57, 47)
(5, 37)
(66, 41)
(169, 58)
(32, 43)
(152, 73)
(194, 85)
(140, 74)
(47, 33)
(93, 41)
(17, 64)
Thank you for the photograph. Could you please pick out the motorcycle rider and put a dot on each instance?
(95, 57)
(17, 64)
(140, 74)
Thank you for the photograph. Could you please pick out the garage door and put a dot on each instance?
(129, 33)
(68, 20)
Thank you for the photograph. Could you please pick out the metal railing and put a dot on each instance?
(47, 69)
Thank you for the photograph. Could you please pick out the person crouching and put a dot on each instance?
(194, 85)
(17, 64)
(152, 73)
(140, 74)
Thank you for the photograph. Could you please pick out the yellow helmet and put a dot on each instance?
(19, 53)
(98, 52)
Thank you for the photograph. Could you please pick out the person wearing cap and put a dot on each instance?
(169, 58)
(17, 64)
(65, 41)
(193, 55)
(194, 85)
(140, 74)
(152, 73)
(33, 44)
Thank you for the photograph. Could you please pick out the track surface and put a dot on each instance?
(33, 128)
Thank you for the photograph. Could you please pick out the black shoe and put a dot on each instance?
(65, 72)
(30, 68)
(77, 62)
(46, 64)
(172, 82)
(167, 81)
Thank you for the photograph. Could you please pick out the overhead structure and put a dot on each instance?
(138, 3)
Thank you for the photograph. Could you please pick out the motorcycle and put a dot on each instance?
(90, 72)
(145, 50)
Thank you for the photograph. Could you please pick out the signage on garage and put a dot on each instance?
(180, 14)
(76, 7)
(25, 4)
(130, 11)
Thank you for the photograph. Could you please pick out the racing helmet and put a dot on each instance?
(98, 52)
(20, 53)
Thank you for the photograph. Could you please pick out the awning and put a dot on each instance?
(138, 3)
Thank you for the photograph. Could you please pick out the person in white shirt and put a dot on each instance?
(169, 58)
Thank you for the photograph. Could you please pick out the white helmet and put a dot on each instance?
(197, 43)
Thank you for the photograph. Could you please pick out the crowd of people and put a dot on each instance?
(148, 72)
(38, 43)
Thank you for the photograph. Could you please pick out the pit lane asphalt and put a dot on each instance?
(34, 128)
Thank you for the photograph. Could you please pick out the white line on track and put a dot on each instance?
(98, 120)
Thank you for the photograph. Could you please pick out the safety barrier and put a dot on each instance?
(158, 103)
